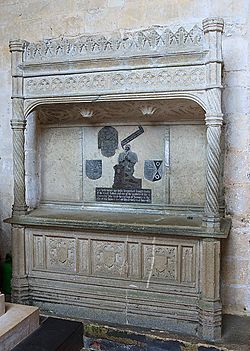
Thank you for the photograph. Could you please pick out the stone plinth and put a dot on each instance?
(17, 323)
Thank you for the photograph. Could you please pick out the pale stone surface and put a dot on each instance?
(2, 304)
(187, 159)
(42, 19)
(61, 164)
(17, 323)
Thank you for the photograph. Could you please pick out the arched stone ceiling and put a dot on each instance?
(146, 111)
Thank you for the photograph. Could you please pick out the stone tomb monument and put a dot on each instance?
(123, 177)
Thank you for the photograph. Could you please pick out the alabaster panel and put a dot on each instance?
(158, 261)
(187, 160)
(61, 164)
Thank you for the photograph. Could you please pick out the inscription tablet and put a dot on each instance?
(123, 195)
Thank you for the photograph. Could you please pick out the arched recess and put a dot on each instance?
(169, 124)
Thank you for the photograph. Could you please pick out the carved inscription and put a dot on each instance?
(61, 254)
(123, 195)
(160, 262)
(108, 258)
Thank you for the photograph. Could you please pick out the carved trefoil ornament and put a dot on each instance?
(93, 169)
(156, 39)
(158, 79)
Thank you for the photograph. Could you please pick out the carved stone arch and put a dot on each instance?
(198, 97)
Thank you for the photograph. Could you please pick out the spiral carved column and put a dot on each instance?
(214, 124)
(18, 127)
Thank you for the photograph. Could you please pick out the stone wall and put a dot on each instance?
(36, 19)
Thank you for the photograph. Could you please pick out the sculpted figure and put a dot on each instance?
(124, 171)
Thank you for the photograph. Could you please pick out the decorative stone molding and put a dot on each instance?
(153, 40)
(148, 110)
(213, 24)
(86, 113)
(157, 79)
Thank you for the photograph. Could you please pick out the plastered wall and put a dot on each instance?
(36, 19)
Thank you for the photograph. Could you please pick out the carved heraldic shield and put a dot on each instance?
(153, 170)
(93, 169)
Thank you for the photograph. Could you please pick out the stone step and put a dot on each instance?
(17, 323)
(54, 334)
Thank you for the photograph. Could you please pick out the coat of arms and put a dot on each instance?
(93, 169)
(153, 170)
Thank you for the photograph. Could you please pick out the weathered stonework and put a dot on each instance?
(159, 261)
(42, 19)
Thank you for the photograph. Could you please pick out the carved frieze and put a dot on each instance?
(155, 79)
(171, 263)
(157, 39)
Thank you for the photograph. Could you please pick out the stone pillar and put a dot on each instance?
(210, 305)
(213, 28)
(18, 127)
(20, 286)
(211, 215)
(18, 124)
